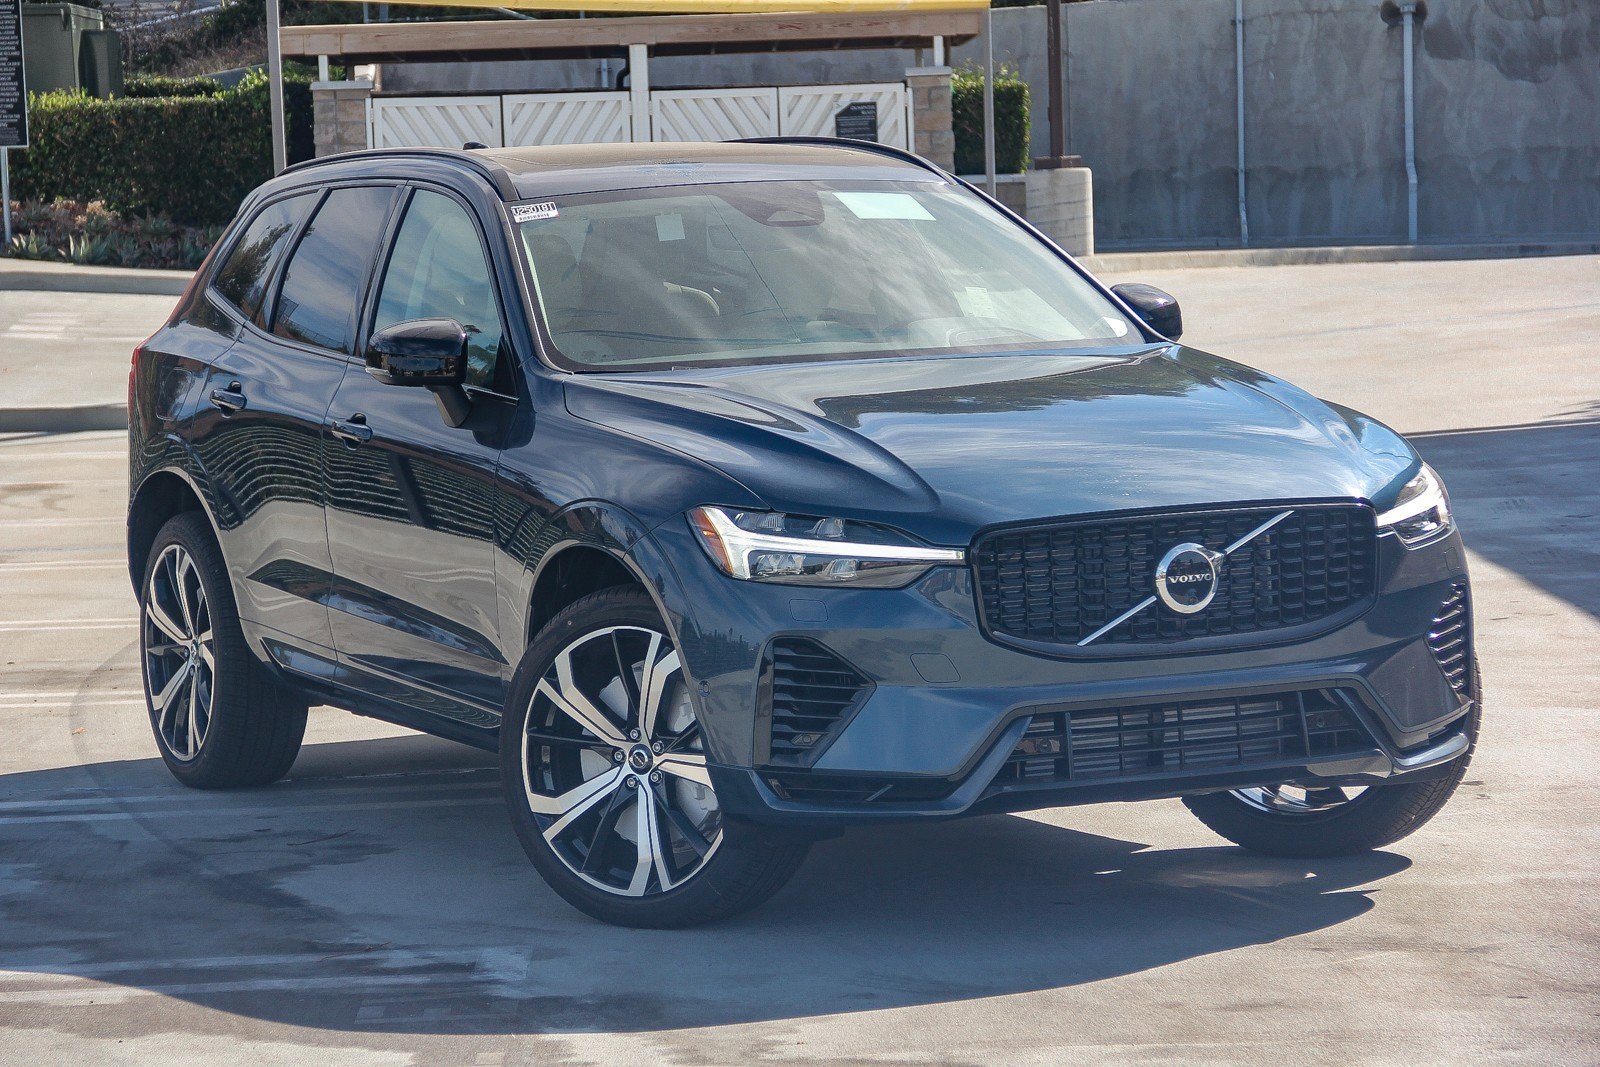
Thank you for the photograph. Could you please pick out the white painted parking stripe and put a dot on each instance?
(67, 624)
(6, 705)
(65, 564)
(257, 810)
(359, 787)
(42, 524)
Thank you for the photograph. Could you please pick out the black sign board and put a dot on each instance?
(858, 121)
(13, 94)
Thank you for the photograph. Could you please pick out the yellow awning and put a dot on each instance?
(712, 7)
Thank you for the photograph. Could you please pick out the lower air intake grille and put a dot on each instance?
(1155, 739)
(1450, 640)
(813, 692)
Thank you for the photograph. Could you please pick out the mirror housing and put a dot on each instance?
(425, 352)
(1157, 308)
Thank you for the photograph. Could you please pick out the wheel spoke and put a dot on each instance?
(576, 706)
(190, 609)
(653, 686)
(164, 622)
(682, 823)
(603, 829)
(630, 684)
(575, 801)
(206, 655)
(163, 700)
(647, 829)
(690, 766)
(691, 733)
(193, 743)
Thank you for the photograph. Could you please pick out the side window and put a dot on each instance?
(322, 284)
(242, 281)
(438, 271)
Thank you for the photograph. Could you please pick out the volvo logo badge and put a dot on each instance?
(1186, 577)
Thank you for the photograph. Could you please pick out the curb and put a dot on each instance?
(66, 278)
(64, 420)
(1116, 262)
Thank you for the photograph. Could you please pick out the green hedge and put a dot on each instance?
(191, 158)
(1011, 128)
(148, 85)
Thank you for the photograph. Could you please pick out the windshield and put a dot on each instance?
(762, 272)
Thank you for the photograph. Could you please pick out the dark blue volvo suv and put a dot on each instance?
(737, 492)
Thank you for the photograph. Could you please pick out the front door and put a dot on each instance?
(411, 498)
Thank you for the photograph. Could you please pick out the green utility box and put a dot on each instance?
(68, 47)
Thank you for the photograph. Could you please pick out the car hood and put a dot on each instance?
(944, 446)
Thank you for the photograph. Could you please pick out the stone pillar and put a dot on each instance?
(1061, 203)
(339, 115)
(933, 136)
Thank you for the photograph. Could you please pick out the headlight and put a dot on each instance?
(1421, 512)
(769, 546)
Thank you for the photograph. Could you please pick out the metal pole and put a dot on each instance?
(280, 151)
(988, 100)
(5, 189)
(1238, 94)
(1058, 128)
(1408, 14)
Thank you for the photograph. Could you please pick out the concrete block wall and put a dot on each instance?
(339, 115)
(932, 135)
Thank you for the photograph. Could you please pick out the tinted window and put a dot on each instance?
(317, 301)
(243, 278)
(438, 271)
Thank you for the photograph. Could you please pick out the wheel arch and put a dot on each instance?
(162, 495)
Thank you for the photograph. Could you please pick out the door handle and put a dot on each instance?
(352, 432)
(229, 400)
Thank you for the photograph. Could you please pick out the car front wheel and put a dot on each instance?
(606, 778)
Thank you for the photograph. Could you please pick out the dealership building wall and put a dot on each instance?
(1507, 113)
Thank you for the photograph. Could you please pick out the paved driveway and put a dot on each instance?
(376, 908)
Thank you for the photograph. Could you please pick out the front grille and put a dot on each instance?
(1155, 739)
(810, 788)
(1450, 639)
(1057, 584)
(812, 693)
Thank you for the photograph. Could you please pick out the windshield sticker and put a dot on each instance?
(669, 227)
(534, 212)
(884, 206)
(976, 302)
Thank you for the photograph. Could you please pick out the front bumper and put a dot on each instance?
(948, 705)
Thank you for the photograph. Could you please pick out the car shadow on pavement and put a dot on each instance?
(1528, 499)
(352, 898)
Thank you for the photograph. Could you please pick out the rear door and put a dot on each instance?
(267, 401)
(411, 498)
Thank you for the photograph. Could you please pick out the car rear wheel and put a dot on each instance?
(606, 779)
(1316, 820)
(220, 721)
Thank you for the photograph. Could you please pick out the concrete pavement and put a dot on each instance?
(375, 908)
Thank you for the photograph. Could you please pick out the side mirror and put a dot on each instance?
(1158, 309)
(431, 353)
(425, 352)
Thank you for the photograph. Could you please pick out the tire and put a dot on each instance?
(1380, 815)
(220, 721)
(603, 667)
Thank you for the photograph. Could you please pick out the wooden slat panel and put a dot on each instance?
(679, 34)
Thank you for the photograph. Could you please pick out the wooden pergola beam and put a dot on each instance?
(663, 35)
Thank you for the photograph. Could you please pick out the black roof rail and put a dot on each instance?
(863, 146)
(496, 174)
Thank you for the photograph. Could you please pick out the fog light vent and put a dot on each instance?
(813, 693)
(1450, 640)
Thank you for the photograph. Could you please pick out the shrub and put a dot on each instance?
(192, 158)
(1011, 128)
(148, 85)
(78, 232)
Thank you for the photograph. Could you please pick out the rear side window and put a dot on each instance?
(242, 281)
(317, 300)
